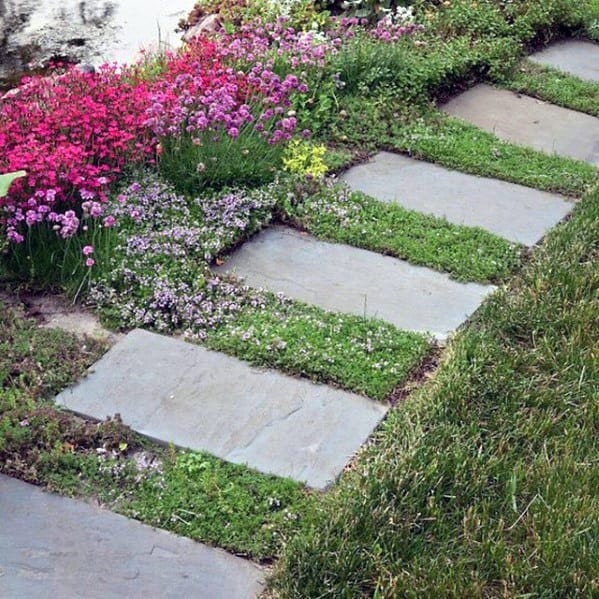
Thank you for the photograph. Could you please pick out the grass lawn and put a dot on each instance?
(484, 482)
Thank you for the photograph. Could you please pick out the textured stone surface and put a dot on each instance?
(572, 56)
(181, 393)
(512, 211)
(530, 122)
(91, 33)
(347, 279)
(52, 546)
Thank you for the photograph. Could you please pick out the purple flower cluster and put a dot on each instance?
(205, 95)
(258, 41)
(160, 274)
(390, 28)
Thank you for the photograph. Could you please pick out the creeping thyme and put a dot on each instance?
(160, 277)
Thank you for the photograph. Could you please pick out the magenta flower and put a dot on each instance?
(109, 221)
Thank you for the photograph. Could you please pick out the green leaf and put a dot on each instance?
(7, 179)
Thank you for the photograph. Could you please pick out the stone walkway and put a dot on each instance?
(529, 122)
(51, 546)
(572, 56)
(206, 400)
(55, 547)
(517, 213)
(348, 279)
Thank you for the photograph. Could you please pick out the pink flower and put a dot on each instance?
(90, 262)
(88, 250)
(72, 134)
(14, 236)
(96, 209)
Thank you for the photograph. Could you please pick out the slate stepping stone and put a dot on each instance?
(530, 122)
(517, 213)
(577, 57)
(347, 279)
(177, 392)
(52, 546)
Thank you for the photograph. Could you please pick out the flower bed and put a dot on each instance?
(221, 116)
(73, 134)
(219, 112)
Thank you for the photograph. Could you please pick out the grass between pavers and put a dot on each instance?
(465, 147)
(189, 493)
(484, 482)
(335, 213)
(376, 123)
(555, 86)
(363, 355)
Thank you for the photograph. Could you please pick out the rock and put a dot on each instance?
(86, 68)
(576, 57)
(53, 546)
(347, 279)
(527, 121)
(208, 24)
(177, 392)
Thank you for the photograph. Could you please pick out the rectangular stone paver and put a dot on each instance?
(517, 213)
(577, 57)
(530, 122)
(52, 546)
(182, 393)
(347, 279)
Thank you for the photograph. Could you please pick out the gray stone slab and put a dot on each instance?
(514, 212)
(530, 122)
(55, 547)
(577, 57)
(347, 279)
(182, 393)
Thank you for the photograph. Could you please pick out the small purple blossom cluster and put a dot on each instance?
(209, 96)
(304, 200)
(160, 275)
(259, 42)
(391, 28)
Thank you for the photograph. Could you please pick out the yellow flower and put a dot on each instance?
(305, 158)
